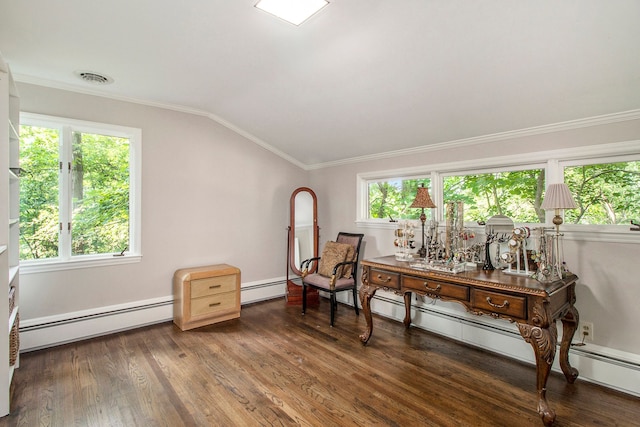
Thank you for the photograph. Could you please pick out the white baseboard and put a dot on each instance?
(608, 367)
(601, 365)
(50, 331)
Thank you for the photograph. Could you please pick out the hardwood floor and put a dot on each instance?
(274, 367)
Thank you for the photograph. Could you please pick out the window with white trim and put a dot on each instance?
(607, 191)
(516, 193)
(390, 198)
(79, 190)
(604, 180)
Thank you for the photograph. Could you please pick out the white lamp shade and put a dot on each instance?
(558, 196)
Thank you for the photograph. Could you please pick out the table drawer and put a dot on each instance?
(384, 278)
(213, 285)
(497, 302)
(434, 287)
(213, 303)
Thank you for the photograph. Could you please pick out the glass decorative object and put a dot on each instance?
(404, 241)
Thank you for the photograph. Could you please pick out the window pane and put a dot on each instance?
(516, 194)
(392, 198)
(605, 193)
(39, 213)
(100, 194)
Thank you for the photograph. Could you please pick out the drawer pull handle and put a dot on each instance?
(214, 286)
(213, 304)
(387, 280)
(436, 289)
(505, 304)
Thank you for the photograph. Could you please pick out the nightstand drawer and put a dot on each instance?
(496, 302)
(436, 288)
(205, 295)
(384, 278)
(212, 285)
(213, 303)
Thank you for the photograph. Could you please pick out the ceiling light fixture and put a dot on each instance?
(293, 11)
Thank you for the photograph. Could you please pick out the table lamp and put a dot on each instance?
(558, 197)
(422, 200)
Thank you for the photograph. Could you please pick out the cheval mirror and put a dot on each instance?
(303, 236)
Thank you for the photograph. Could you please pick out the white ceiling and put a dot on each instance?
(360, 78)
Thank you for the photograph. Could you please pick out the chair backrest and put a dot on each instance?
(355, 240)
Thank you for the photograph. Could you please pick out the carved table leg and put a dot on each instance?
(366, 293)
(569, 325)
(407, 309)
(543, 340)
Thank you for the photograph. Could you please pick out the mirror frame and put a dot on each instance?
(503, 224)
(292, 227)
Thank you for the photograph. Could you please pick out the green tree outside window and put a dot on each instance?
(606, 193)
(391, 198)
(516, 194)
(98, 196)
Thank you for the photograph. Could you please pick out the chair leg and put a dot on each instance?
(304, 298)
(355, 300)
(333, 303)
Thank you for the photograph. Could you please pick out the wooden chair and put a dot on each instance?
(337, 270)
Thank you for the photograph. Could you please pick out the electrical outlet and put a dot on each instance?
(585, 331)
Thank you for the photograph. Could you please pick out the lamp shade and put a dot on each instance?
(423, 199)
(558, 196)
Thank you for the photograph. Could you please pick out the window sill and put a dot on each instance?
(31, 267)
(602, 236)
(385, 225)
(610, 234)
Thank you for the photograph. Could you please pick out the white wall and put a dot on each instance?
(608, 290)
(211, 196)
(208, 196)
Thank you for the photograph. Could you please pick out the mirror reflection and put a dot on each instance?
(303, 228)
(499, 228)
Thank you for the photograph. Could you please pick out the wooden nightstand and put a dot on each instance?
(205, 295)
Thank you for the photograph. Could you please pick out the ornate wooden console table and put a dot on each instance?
(534, 306)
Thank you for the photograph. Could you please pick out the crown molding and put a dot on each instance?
(466, 142)
(21, 78)
(172, 107)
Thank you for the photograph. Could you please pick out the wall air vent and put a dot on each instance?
(94, 78)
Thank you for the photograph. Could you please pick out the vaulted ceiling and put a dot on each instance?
(360, 78)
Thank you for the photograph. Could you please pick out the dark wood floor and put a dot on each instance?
(274, 367)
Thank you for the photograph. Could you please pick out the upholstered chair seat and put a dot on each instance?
(336, 270)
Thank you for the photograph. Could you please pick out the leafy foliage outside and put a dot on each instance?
(39, 211)
(606, 193)
(100, 188)
(391, 199)
(516, 194)
(99, 194)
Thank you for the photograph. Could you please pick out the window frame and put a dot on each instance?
(428, 176)
(65, 260)
(553, 161)
(614, 158)
(487, 170)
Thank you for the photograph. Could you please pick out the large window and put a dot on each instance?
(391, 199)
(606, 193)
(77, 190)
(604, 180)
(516, 194)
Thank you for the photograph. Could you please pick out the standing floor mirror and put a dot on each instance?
(302, 241)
